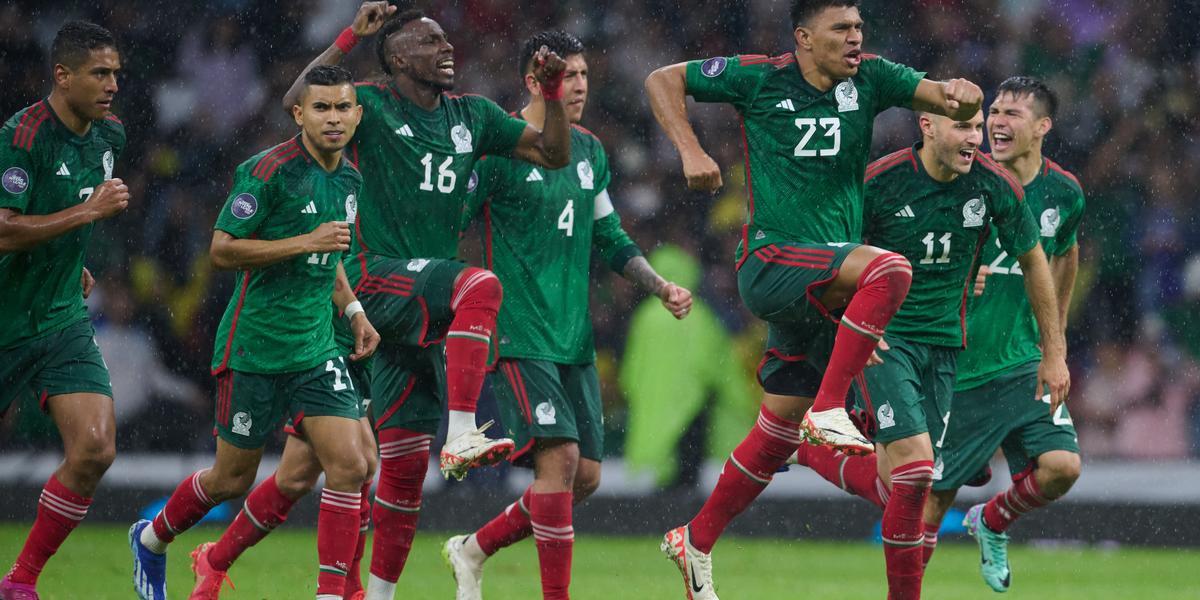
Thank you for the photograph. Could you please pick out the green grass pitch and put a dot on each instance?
(95, 564)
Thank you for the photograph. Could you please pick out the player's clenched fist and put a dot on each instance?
(370, 17)
(366, 339)
(701, 171)
(676, 299)
(548, 67)
(963, 99)
(329, 237)
(109, 198)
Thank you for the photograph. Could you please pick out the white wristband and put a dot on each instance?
(352, 309)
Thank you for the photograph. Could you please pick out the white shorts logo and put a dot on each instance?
(241, 423)
(886, 417)
(545, 414)
(417, 264)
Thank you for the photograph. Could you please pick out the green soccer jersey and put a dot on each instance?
(415, 165)
(1000, 326)
(278, 320)
(539, 230)
(806, 150)
(45, 168)
(941, 229)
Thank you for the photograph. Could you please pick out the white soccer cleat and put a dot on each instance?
(695, 565)
(468, 574)
(834, 428)
(472, 449)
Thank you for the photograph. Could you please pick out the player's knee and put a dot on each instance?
(890, 272)
(348, 471)
(296, 486)
(228, 485)
(477, 288)
(1062, 470)
(372, 461)
(92, 455)
(586, 484)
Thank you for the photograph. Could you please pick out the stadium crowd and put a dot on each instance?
(201, 90)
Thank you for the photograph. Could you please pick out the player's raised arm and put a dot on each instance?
(550, 147)
(367, 22)
(667, 90)
(235, 254)
(958, 99)
(19, 232)
(1039, 285)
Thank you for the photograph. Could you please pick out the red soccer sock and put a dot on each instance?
(354, 574)
(475, 302)
(746, 474)
(186, 506)
(858, 475)
(337, 536)
(904, 529)
(1006, 507)
(507, 528)
(265, 509)
(881, 290)
(404, 458)
(550, 515)
(931, 537)
(59, 511)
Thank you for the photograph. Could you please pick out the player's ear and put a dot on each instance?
(803, 38)
(298, 113)
(1045, 124)
(62, 75)
(531, 84)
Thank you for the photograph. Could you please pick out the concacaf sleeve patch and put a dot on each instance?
(15, 180)
(244, 206)
(714, 66)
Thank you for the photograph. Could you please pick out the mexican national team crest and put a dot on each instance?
(586, 176)
(886, 417)
(462, 139)
(15, 180)
(107, 161)
(847, 96)
(714, 66)
(241, 423)
(973, 212)
(1050, 220)
(351, 208)
(244, 206)
(545, 414)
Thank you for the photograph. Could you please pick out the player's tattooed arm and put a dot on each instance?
(366, 339)
(675, 298)
(20, 232)
(958, 99)
(1064, 268)
(550, 147)
(667, 89)
(1053, 375)
(367, 22)
(237, 254)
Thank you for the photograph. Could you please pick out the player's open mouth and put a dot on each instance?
(967, 154)
(446, 66)
(854, 58)
(1001, 141)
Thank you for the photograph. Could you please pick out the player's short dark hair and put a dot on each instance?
(75, 41)
(328, 75)
(1045, 101)
(558, 41)
(803, 10)
(389, 28)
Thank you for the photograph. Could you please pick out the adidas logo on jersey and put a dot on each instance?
(535, 175)
(63, 171)
(907, 211)
(405, 131)
(311, 209)
(786, 105)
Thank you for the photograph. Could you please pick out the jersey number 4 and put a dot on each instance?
(566, 221)
(808, 128)
(445, 177)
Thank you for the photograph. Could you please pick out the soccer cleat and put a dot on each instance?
(471, 450)
(695, 565)
(149, 568)
(834, 428)
(467, 573)
(208, 579)
(993, 550)
(11, 590)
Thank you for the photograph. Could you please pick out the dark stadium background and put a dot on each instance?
(200, 92)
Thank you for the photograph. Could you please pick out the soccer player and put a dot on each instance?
(417, 147)
(284, 228)
(539, 241)
(996, 402)
(56, 171)
(807, 117)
